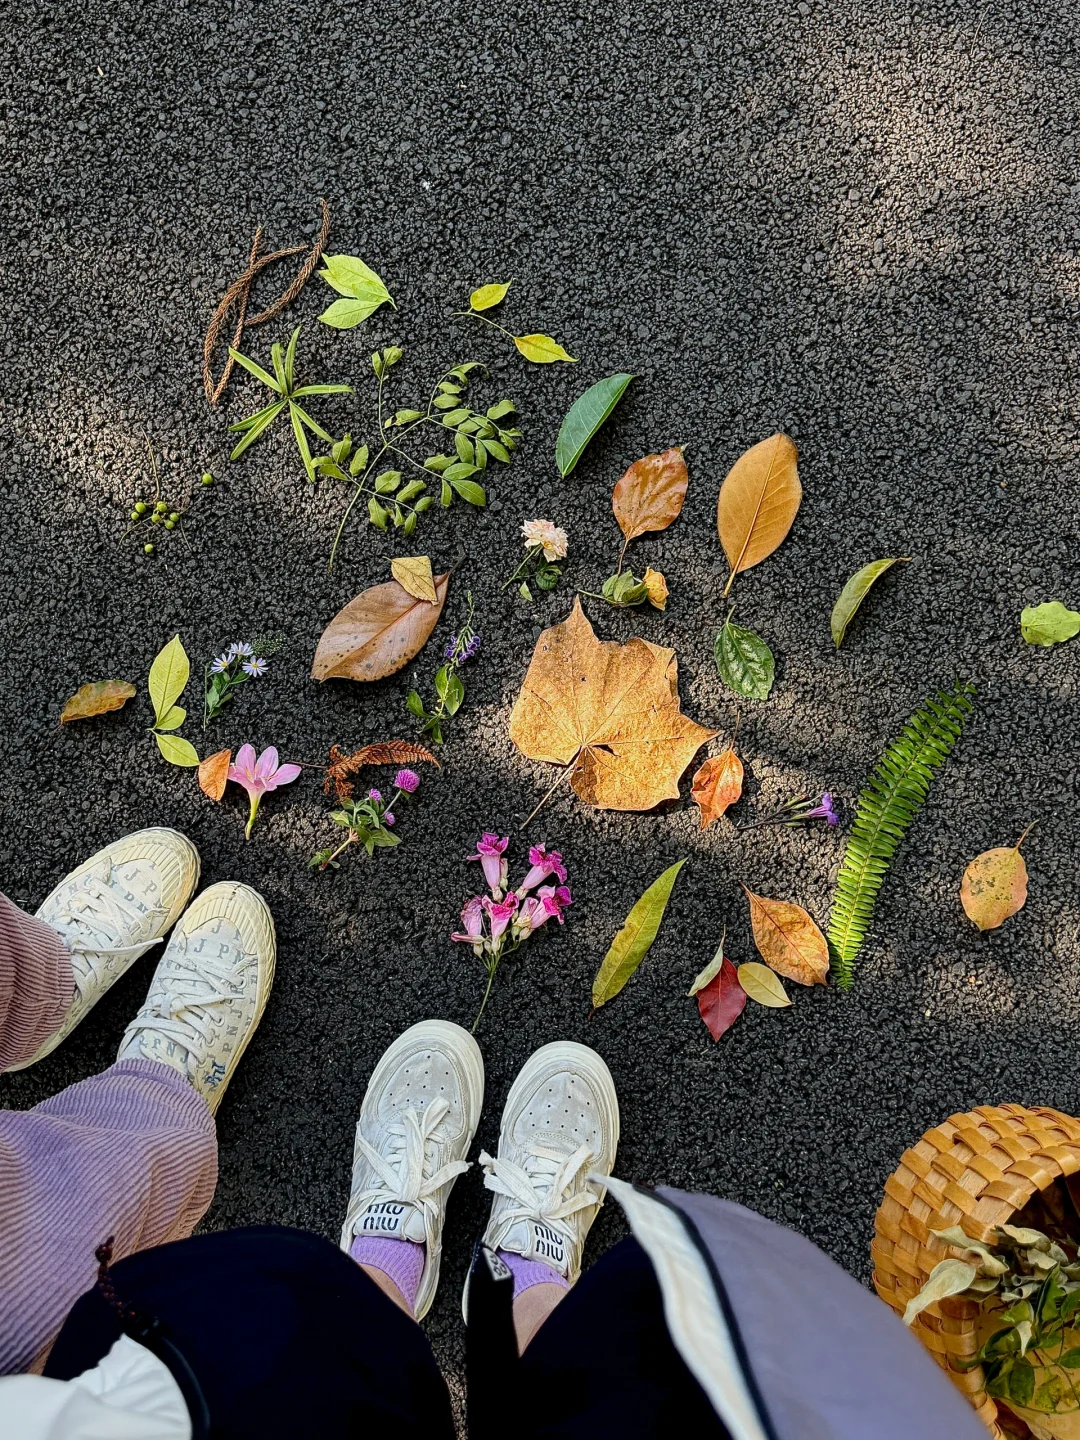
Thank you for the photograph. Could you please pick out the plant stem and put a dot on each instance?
(567, 773)
(491, 976)
(343, 846)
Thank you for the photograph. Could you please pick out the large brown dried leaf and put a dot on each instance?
(97, 698)
(758, 502)
(213, 773)
(387, 752)
(788, 940)
(377, 633)
(609, 710)
(651, 493)
(717, 785)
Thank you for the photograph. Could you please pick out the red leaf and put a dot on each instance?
(720, 1003)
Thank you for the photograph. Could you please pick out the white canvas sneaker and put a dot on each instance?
(417, 1120)
(112, 909)
(209, 990)
(561, 1123)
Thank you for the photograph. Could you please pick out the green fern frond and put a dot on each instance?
(897, 786)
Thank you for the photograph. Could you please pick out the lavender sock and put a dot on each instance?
(528, 1273)
(401, 1260)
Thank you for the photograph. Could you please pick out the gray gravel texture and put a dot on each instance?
(857, 223)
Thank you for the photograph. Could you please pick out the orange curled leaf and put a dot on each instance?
(788, 940)
(717, 785)
(995, 885)
(651, 493)
(609, 711)
(97, 698)
(377, 633)
(213, 773)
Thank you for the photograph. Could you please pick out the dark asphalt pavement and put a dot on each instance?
(857, 223)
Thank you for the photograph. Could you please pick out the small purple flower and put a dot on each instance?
(499, 913)
(544, 863)
(472, 917)
(374, 794)
(489, 851)
(388, 819)
(407, 781)
(471, 648)
(824, 811)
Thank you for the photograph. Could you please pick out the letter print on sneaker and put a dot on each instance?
(417, 1121)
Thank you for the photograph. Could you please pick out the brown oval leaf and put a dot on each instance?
(717, 785)
(994, 886)
(377, 633)
(97, 698)
(722, 1000)
(788, 940)
(651, 493)
(213, 773)
(611, 711)
(413, 573)
(758, 502)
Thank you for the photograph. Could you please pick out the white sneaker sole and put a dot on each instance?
(442, 1035)
(140, 843)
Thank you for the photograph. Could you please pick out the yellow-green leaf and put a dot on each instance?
(762, 985)
(854, 593)
(173, 720)
(168, 676)
(948, 1277)
(176, 750)
(631, 944)
(488, 296)
(541, 349)
(97, 698)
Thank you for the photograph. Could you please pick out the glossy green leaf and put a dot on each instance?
(470, 491)
(176, 750)
(853, 594)
(744, 661)
(168, 675)
(585, 417)
(488, 295)
(1049, 624)
(377, 514)
(632, 943)
(542, 349)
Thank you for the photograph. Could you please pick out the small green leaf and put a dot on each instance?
(744, 661)
(470, 491)
(503, 408)
(631, 944)
(447, 401)
(168, 675)
(455, 416)
(1048, 624)
(447, 387)
(377, 514)
(424, 503)
(409, 491)
(405, 417)
(173, 720)
(948, 1277)
(524, 591)
(455, 693)
(853, 594)
(488, 295)
(351, 277)
(584, 418)
(438, 462)
(1071, 1358)
(500, 452)
(464, 449)
(176, 750)
(342, 450)
(460, 471)
(416, 705)
(387, 482)
(542, 349)
(1021, 1381)
(359, 461)
(256, 370)
(479, 453)
(346, 314)
(410, 523)
(446, 494)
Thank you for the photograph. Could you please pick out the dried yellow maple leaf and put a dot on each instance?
(609, 711)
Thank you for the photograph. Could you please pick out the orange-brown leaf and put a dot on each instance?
(387, 752)
(609, 710)
(994, 886)
(758, 501)
(97, 698)
(213, 773)
(788, 940)
(651, 493)
(377, 633)
(717, 785)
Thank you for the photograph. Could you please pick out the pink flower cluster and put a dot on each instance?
(505, 918)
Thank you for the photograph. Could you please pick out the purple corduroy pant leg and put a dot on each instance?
(131, 1152)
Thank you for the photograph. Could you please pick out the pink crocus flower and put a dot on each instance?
(259, 776)
(472, 917)
(489, 851)
(499, 913)
(544, 863)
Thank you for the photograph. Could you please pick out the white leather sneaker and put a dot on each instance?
(417, 1120)
(561, 1122)
(209, 990)
(112, 909)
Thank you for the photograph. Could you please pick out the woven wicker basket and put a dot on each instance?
(975, 1170)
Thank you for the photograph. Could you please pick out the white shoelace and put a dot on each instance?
(548, 1187)
(405, 1167)
(94, 919)
(180, 1010)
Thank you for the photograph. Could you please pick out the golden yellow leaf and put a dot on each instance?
(762, 985)
(995, 885)
(413, 573)
(717, 785)
(758, 502)
(213, 773)
(656, 585)
(610, 711)
(96, 699)
(788, 940)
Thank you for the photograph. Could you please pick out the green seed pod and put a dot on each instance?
(141, 507)
(174, 515)
(161, 507)
(206, 478)
(170, 524)
(155, 518)
(148, 549)
(135, 515)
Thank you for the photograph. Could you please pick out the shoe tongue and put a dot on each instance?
(394, 1220)
(533, 1240)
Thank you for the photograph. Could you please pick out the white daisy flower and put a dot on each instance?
(256, 667)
